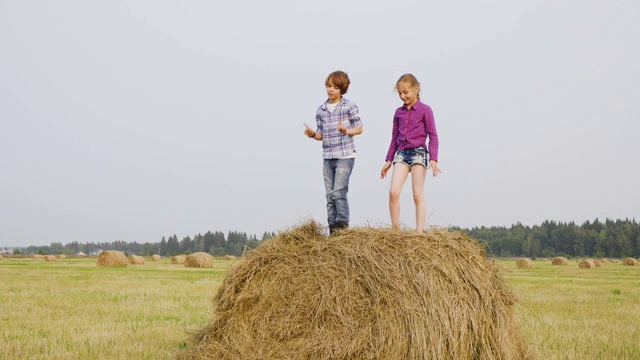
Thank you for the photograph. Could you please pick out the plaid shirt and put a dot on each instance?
(336, 145)
(411, 128)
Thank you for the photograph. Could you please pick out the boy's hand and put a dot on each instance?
(342, 128)
(309, 131)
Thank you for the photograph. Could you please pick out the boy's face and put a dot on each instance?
(407, 93)
(333, 93)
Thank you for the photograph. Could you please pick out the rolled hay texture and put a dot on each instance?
(524, 263)
(178, 259)
(50, 258)
(136, 260)
(597, 263)
(112, 258)
(605, 260)
(560, 261)
(0, 257)
(630, 261)
(586, 264)
(37, 256)
(61, 256)
(155, 257)
(199, 260)
(229, 257)
(364, 294)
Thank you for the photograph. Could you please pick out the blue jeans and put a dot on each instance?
(336, 174)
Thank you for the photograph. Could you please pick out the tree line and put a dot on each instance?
(611, 238)
(214, 243)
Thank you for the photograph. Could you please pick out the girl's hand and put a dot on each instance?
(385, 168)
(434, 167)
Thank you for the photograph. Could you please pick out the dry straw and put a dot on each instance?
(50, 258)
(229, 257)
(199, 260)
(112, 258)
(524, 263)
(560, 261)
(630, 261)
(597, 263)
(155, 257)
(587, 264)
(0, 257)
(178, 259)
(61, 256)
(136, 260)
(37, 256)
(363, 294)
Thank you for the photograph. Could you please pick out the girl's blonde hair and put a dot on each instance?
(411, 80)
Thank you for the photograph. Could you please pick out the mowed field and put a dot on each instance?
(73, 309)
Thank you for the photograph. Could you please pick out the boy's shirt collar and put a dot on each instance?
(326, 102)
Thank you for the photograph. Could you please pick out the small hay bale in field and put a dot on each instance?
(136, 260)
(229, 257)
(50, 258)
(524, 263)
(586, 264)
(112, 258)
(199, 260)
(61, 256)
(0, 257)
(615, 261)
(366, 293)
(597, 263)
(605, 260)
(630, 261)
(155, 257)
(559, 261)
(178, 259)
(37, 256)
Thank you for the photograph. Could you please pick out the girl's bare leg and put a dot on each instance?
(398, 177)
(418, 174)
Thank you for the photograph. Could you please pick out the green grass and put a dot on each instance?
(72, 309)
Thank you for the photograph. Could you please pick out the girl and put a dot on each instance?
(413, 123)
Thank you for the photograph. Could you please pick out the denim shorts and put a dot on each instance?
(410, 157)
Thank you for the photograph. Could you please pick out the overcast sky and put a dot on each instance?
(133, 120)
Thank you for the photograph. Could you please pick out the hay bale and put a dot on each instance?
(229, 257)
(586, 264)
(523, 263)
(630, 261)
(363, 294)
(37, 256)
(560, 261)
(155, 257)
(112, 258)
(61, 256)
(597, 263)
(178, 259)
(50, 258)
(615, 261)
(1, 257)
(136, 260)
(199, 260)
(605, 260)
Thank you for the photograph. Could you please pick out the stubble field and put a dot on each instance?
(73, 309)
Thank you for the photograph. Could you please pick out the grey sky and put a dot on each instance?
(133, 120)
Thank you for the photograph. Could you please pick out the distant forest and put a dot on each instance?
(611, 238)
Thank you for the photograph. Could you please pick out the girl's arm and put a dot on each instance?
(394, 136)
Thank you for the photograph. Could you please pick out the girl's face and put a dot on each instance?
(333, 93)
(407, 93)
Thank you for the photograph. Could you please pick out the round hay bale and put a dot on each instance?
(50, 258)
(136, 260)
(0, 257)
(229, 257)
(37, 256)
(630, 261)
(112, 258)
(559, 261)
(155, 257)
(605, 260)
(587, 264)
(524, 263)
(199, 260)
(597, 263)
(178, 259)
(615, 261)
(61, 256)
(363, 294)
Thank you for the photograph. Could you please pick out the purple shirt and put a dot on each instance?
(411, 128)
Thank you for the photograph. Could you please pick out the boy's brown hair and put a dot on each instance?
(339, 79)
